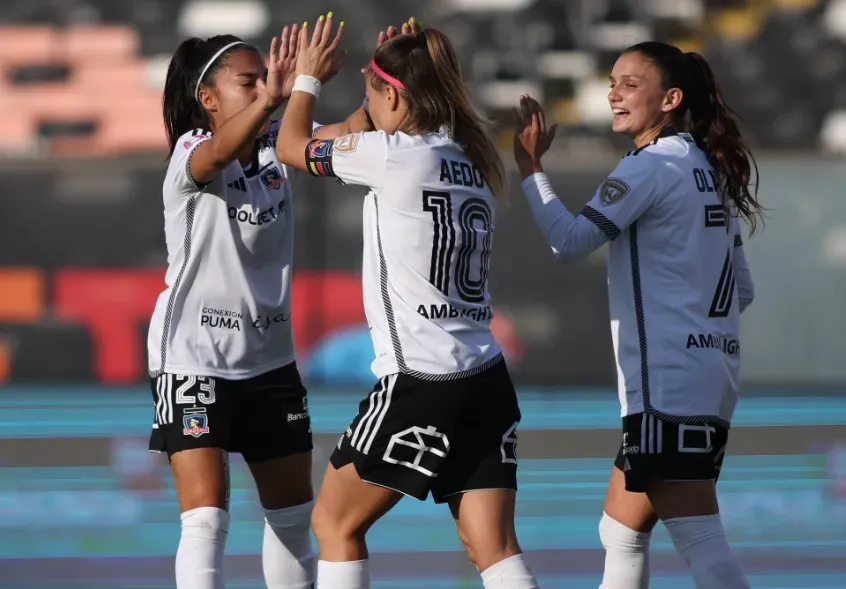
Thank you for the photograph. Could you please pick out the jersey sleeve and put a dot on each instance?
(624, 195)
(178, 179)
(354, 159)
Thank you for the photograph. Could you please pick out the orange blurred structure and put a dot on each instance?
(95, 101)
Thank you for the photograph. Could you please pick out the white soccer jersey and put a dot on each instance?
(226, 311)
(677, 277)
(428, 228)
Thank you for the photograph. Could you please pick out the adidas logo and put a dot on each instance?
(239, 184)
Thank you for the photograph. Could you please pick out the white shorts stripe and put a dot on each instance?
(370, 409)
(380, 402)
(392, 379)
(159, 400)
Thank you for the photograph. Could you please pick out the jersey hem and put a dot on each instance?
(196, 371)
(445, 376)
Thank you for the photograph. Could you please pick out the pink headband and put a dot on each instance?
(389, 79)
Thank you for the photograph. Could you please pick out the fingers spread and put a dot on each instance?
(294, 41)
(337, 40)
(274, 52)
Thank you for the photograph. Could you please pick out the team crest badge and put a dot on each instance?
(613, 190)
(272, 178)
(347, 143)
(196, 424)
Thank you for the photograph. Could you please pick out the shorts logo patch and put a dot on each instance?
(613, 190)
(508, 448)
(272, 178)
(347, 143)
(195, 424)
(420, 449)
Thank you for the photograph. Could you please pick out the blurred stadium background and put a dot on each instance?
(82, 505)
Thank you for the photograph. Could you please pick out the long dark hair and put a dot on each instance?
(704, 114)
(437, 95)
(180, 109)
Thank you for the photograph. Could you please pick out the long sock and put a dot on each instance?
(511, 573)
(199, 558)
(626, 555)
(343, 575)
(287, 556)
(701, 542)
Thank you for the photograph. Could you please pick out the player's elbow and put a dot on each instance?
(564, 255)
(746, 300)
(291, 153)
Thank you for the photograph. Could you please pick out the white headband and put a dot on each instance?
(208, 65)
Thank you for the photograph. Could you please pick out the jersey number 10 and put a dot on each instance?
(474, 219)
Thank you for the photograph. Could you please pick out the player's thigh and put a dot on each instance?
(485, 523)
(633, 510)
(192, 424)
(272, 431)
(675, 464)
(346, 506)
(201, 477)
(283, 482)
(401, 435)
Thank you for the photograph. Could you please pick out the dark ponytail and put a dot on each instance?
(180, 109)
(704, 114)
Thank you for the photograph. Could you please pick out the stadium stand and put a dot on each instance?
(83, 77)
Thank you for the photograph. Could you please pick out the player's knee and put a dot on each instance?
(486, 549)
(330, 526)
(615, 536)
(290, 522)
(205, 523)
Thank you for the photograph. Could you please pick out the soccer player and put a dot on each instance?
(220, 345)
(678, 280)
(443, 416)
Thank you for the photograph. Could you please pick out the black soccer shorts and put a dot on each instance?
(671, 452)
(261, 418)
(449, 437)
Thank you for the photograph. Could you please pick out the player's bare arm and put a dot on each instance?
(318, 60)
(238, 133)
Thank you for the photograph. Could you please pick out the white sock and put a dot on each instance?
(511, 573)
(199, 558)
(626, 555)
(701, 541)
(343, 575)
(287, 556)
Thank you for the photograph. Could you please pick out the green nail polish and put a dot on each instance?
(330, 15)
(321, 19)
(342, 23)
(305, 24)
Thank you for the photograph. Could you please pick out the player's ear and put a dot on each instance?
(672, 99)
(393, 97)
(208, 99)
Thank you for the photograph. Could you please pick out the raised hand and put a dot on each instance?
(285, 60)
(317, 54)
(277, 87)
(410, 27)
(532, 139)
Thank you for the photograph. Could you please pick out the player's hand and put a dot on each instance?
(318, 54)
(532, 138)
(410, 27)
(281, 67)
(284, 62)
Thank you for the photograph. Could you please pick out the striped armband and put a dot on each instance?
(318, 157)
